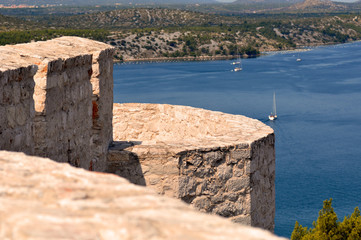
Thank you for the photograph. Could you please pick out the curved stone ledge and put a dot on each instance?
(42, 199)
(184, 127)
(219, 163)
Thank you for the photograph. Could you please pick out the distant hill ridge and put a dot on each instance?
(325, 4)
(141, 17)
(266, 1)
(100, 2)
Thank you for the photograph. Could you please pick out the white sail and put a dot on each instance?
(238, 63)
(274, 104)
(273, 114)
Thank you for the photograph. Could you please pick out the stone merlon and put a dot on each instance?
(220, 163)
(49, 92)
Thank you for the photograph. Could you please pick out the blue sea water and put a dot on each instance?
(318, 130)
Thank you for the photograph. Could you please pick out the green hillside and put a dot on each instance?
(148, 33)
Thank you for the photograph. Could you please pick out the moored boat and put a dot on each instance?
(273, 115)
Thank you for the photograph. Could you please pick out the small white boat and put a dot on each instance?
(237, 69)
(238, 65)
(298, 58)
(273, 115)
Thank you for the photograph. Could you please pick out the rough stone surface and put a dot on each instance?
(262, 173)
(72, 100)
(16, 104)
(220, 163)
(102, 82)
(102, 95)
(63, 118)
(42, 199)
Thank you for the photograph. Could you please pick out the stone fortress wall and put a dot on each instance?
(51, 105)
(56, 101)
(16, 104)
(219, 163)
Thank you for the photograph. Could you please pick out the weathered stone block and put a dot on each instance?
(201, 172)
(203, 203)
(213, 158)
(238, 172)
(224, 172)
(218, 198)
(244, 220)
(240, 154)
(7, 95)
(195, 161)
(187, 187)
(228, 209)
(22, 114)
(232, 196)
(238, 184)
(11, 116)
(3, 118)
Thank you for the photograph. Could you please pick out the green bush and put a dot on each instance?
(327, 226)
(13, 37)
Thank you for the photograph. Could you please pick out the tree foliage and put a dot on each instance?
(14, 37)
(327, 226)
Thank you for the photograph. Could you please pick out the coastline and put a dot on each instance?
(209, 58)
(187, 58)
(227, 57)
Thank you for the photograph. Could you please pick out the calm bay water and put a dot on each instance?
(318, 132)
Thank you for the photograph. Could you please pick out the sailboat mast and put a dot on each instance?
(274, 104)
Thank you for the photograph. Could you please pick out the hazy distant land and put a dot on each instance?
(173, 31)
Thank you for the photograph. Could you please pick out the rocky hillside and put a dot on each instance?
(264, 1)
(138, 18)
(325, 5)
(8, 23)
(247, 38)
(143, 33)
(177, 44)
(99, 2)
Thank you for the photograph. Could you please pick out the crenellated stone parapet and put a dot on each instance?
(56, 101)
(59, 117)
(219, 163)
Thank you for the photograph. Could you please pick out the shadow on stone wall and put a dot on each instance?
(125, 163)
(62, 126)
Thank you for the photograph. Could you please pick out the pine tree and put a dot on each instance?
(327, 226)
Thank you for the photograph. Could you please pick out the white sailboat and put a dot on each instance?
(238, 65)
(273, 115)
(298, 58)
